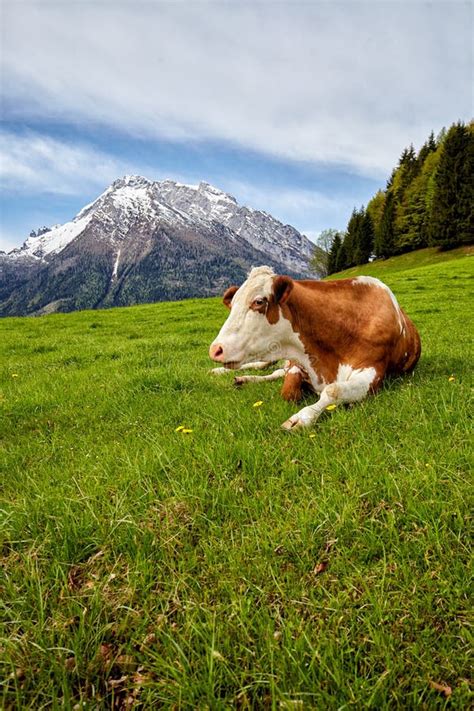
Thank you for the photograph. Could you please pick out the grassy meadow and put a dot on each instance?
(235, 565)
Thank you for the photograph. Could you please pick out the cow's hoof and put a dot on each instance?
(218, 371)
(291, 425)
(238, 382)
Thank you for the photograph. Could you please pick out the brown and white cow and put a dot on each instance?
(339, 338)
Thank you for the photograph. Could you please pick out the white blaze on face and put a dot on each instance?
(244, 333)
(247, 333)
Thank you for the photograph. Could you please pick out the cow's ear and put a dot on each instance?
(282, 286)
(228, 295)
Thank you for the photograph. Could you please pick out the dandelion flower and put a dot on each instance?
(312, 435)
(259, 403)
(186, 431)
(14, 375)
(178, 429)
(331, 407)
(451, 379)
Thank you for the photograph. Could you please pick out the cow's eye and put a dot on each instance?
(259, 302)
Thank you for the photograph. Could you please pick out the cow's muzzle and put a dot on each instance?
(216, 352)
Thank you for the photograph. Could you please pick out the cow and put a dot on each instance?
(340, 339)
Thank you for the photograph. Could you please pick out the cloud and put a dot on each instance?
(38, 163)
(279, 199)
(344, 82)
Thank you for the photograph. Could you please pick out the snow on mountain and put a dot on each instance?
(55, 239)
(133, 199)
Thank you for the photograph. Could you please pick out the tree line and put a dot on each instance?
(428, 201)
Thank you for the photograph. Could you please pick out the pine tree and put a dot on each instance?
(466, 192)
(375, 209)
(334, 254)
(440, 138)
(431, 168)
(418, 199)
(452, 213)
(425, 150)
(391, 179)
(385, 239)
(406, 173)
(365, 246)
(356, 231)
(408, 167)
(412, 235)
(352, 238)
(341, 260)
(411, 155)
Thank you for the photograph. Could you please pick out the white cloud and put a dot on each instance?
(274, 199)
(347, 82)
(35, 162)
(38, 163)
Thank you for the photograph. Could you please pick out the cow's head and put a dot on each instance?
(255, 328)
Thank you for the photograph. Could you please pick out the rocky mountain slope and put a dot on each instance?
(144, 241)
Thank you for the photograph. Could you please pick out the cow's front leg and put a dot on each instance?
(254, 365)
(292, 389)
(276, 375)
(351, 386)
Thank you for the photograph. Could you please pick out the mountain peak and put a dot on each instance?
(145, 240)
(132, 181)
(132, 203)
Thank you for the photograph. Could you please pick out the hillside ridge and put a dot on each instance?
(428, 256)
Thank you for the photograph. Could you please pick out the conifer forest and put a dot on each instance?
(428, 201)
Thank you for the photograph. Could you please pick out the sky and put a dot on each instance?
(300, 109)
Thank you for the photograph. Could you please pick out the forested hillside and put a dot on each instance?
(428, 201)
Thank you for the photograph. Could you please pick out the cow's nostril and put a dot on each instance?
(216, 352)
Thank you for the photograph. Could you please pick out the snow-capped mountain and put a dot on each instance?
(142, 240)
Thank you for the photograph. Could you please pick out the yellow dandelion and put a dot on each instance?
(14, 375)
(331, 407)
(186, 431)
(312, 436)
(259, 403)
(180, 428)
(451, 379)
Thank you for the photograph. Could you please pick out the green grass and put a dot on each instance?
(431, 256)
(145, 566)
